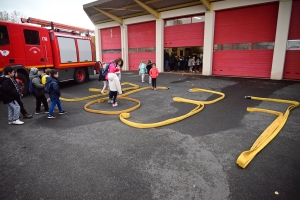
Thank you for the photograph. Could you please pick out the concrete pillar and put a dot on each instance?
(124, 42)
(160, 44)
(98, 45)
(282, 31)
(209, 29)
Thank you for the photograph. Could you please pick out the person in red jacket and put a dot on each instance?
(153, 74)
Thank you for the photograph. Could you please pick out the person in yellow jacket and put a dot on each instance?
(44, 76)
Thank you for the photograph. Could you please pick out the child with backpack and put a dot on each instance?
(9, 96)
(102, 77)
(37, 89)
(54, 92)
(114, 86)
(154, 74)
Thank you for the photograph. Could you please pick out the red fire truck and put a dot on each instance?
(44, 44)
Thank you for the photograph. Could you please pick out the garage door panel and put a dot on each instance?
(108, 57)
(243, 63)
(111, 38)
(141, 35)
(292, 65)
(136, 58)
(184, 35)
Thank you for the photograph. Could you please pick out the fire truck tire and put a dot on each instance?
(80, 75)
(23, 83)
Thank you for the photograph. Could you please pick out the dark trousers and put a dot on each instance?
(154, 82)
(113, 95)
(22, 109)
(39, 100)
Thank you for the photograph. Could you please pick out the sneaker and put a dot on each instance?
(115, 104)
(155, 89)
(63, 112)
(37, 112)
(10, 121)
(17, 122)
(110, 101)
(51, 117)
(152, 89)
(27, 116)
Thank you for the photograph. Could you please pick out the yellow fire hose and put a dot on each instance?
(273, 129)
(200, 106)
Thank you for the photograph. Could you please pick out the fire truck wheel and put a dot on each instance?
(23, 83)
(79, 75)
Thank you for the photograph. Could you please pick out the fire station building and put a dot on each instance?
(244, 38)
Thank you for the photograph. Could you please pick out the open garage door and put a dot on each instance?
(111, 43)
(292, 57)
(184, 32)
(141, 43)
(244, 41)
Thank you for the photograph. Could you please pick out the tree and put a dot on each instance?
(14, 16)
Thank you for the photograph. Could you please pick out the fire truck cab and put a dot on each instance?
(44, 44)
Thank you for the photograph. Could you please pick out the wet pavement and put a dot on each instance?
(84, 155)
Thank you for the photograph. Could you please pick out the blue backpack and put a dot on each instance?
(47, 87)
(31, 87)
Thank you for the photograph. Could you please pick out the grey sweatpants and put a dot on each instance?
(13, 111)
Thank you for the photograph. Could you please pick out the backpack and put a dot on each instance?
(31, 87)
(47, 87)
(105, 69)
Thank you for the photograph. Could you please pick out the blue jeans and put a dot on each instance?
(166, 65)
(53, 104)
(113, 95)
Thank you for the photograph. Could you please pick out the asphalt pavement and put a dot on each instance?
(84, 155)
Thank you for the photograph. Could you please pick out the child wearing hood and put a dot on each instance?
(54, 93)
(143, 70)
(38, 93)
(114, 86)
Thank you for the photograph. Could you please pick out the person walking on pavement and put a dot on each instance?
(154, 74)
(22, 109)
(149, 66)
(9, 95)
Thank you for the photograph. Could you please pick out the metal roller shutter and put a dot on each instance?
(240, 29)
(111, 43)
(292, 57)
(141, 43)
(184, 35)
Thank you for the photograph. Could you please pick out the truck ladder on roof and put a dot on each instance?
(55, 26)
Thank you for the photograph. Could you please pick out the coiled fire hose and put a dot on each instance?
(270, 133)
(200, 105)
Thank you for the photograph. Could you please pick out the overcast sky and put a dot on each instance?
(68, 12)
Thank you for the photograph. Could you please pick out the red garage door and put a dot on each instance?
(141, 43)
(184, 35)
(244, 41)
(111, 43)
(292, 58)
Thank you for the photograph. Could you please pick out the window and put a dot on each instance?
(132, 50)
(4, 39)
(293, 45)
(184, 20)
(67, 49)
(142, 49)
(197, 19)
(171, 22)
(151, 49)
(263, 45)
(222, 47)
(32, 37)
(245, 46)
(85, 50)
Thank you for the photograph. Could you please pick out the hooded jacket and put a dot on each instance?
(54, 90)
(114, 83)
(9, 92)
(36, 82)
(154, 72)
